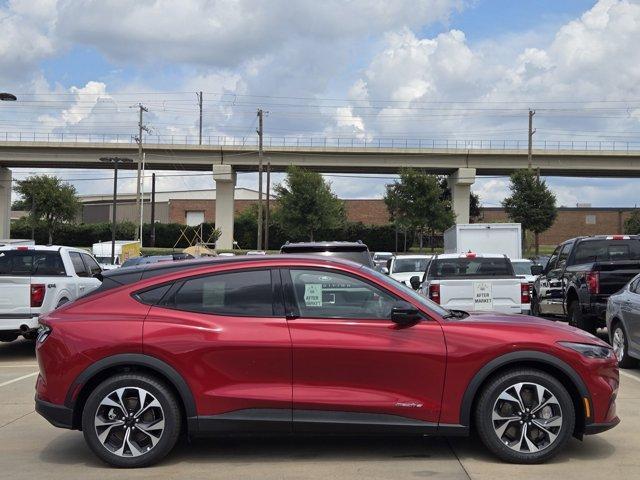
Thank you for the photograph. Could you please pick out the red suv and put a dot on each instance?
(306, 344)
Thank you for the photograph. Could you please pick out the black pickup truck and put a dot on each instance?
(581, 275)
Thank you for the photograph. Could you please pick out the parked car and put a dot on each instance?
(37, 279)
(147, 259)
(380, 259)
(525, 268)
(471, 282)
(369, 356)
(355, 251)
(581, 275)
(623, 323)
(403, 267)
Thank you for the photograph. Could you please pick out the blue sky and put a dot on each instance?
(340, 67)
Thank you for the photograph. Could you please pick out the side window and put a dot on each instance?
(78, 264)
(554, 259)
(91, 264)
(153, 296)
(234, 293)
(564, 254)
(634, 287)
(322, 294)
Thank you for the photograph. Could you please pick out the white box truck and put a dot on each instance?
(502, 238)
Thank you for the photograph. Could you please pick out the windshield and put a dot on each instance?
(470, 267)
(428, 304)
(522, 268)
(25, 263)
(379, 257)
(410, 265)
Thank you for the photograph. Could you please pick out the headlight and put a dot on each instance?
(43, 333)
(589, 351)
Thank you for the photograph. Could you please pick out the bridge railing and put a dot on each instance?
(325, 142)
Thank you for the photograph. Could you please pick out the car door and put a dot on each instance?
(353, 367)
(631, 313)
(227, 336)
(93, 269)
(551, 292)
(83, 281)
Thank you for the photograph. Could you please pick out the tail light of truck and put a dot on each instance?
(434, 292)
(593, 282)
(37, 294)
(525, 295)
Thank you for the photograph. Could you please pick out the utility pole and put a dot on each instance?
(153, 210)
(259, 242)
(531, 132)
(141, 128)
(199, 94)
(266, 215)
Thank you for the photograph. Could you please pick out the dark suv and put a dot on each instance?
(354, 251)
(581, 275)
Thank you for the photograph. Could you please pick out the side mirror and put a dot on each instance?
(405, 314)
(415, 282)
(384, 270)
(536, 269)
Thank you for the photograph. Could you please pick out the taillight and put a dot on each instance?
(37, 294)
(593, 282)
(434, 292)
(525, 296)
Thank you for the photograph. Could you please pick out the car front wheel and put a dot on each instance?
(524, 416)
(131, 420)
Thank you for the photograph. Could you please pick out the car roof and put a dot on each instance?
(446, 256)
(414, 257)
(522, 260)
(337, 245)
(43, 248)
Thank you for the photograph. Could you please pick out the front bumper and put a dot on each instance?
(595, 428)
(57, 415)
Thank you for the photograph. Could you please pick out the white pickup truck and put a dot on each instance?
(474, 282)
(37, 279)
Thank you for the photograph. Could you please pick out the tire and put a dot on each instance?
(508, 443)
(142, 449)
(535, 306)
(621, 346)
(8, 337)
(578, 320)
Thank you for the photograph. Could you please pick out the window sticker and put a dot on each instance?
(313, 294)
(213, 294)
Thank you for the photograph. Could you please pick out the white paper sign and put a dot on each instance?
(482, 296)
(313, 294)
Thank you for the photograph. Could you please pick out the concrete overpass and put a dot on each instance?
(460, 162)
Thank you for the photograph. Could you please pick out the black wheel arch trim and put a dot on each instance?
(513, 357)
(135, 360)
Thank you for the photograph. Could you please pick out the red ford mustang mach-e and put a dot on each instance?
(305, 344)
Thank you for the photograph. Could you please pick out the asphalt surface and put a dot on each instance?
(31, 448)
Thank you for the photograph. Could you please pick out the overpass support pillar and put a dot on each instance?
(460, 184)
(5, 202)
(225, 179)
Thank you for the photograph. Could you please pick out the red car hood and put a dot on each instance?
(527, 321)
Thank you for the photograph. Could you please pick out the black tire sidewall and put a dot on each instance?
(488, 397)
(170, 408)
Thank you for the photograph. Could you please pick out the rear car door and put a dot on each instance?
(353, 367)
(227, 336)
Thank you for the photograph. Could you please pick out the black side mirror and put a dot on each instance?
(405, 314)
(536, 269)
(415, 282)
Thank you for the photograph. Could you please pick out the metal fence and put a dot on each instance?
(324, 142)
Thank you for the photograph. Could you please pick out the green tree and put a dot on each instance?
(474, 199)
(531, 203)
(632, 224)
(416, 202)
(306, 204)
(50, 201)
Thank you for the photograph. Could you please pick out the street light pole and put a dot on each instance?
(115, 161)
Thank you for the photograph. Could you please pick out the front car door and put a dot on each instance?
(551, 291)
(353, 368)
(226, 334)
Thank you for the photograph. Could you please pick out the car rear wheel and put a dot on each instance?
(578, 320)
(621, 347)
(524, 416)
(131, 420)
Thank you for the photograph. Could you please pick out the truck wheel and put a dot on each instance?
(524, 416)
(621, 346)
(535, 306)
(131, 420)
(578, 320)
(8, 337)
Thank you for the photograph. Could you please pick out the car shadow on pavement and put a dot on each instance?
(18, 350)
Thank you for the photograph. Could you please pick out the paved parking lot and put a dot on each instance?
(31, 448)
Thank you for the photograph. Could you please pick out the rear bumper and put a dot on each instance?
(16, 323)
(595, 428)
(57, 415)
